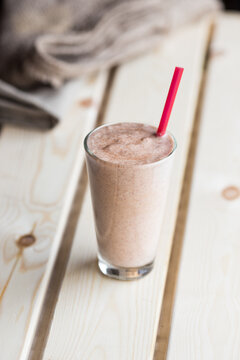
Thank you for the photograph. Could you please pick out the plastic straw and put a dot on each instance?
(170, 101)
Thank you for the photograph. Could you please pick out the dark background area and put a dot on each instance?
(232, 4)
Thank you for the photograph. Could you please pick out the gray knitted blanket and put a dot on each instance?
(48, 42)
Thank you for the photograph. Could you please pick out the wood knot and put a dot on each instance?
(231, 193)
(86, 103)
(26, 241)
(216, 52)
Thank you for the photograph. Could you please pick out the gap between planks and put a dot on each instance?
(54, 286)
(164, 326)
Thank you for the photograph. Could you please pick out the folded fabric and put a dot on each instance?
(18, 107)
(49, 42)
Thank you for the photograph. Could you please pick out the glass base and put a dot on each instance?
(122, 273)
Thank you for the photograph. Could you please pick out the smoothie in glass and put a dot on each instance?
(129, 170)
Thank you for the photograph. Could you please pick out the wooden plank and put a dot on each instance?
(108, 319)
(164, 326)
(38, 176)
(205, 321)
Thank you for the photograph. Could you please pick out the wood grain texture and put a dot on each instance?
(99, 318)
(38, 176)
(44, 323)
(205, 321)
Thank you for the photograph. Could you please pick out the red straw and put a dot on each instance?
(170, 101)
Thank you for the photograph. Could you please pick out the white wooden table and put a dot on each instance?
(54, 303)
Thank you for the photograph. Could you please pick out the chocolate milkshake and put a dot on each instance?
(129, 168)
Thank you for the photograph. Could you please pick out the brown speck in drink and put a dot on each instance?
(26, 241)
(231, 193)
(86, 103)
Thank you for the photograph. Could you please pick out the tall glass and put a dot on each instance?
(128, 203)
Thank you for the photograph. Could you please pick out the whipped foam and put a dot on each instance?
(130, 143)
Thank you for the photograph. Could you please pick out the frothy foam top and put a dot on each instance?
(130, 143)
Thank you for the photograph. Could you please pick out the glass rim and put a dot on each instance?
(89, 152)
